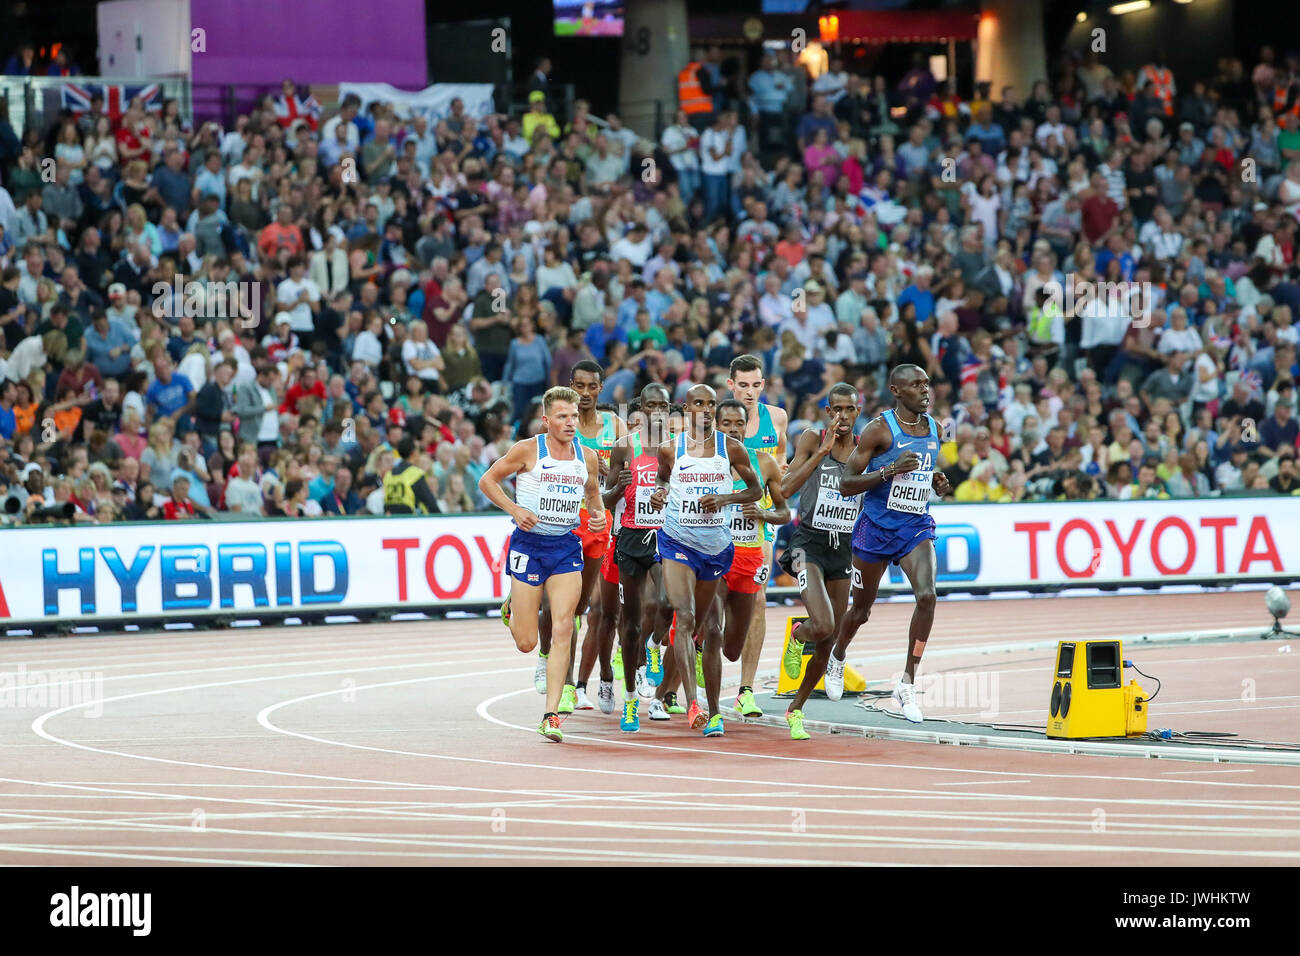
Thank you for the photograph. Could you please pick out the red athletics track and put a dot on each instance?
(414, 743)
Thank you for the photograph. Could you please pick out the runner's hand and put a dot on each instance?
(659, 498)
(524, 518)
(828, 439)
(711, 503)
(907, 461)
(750, 510)
(596, 522)
(941, 484)
(624, 478)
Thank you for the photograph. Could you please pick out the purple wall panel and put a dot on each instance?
(314, 41)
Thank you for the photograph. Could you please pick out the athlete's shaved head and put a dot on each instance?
(911, 387)
(654, 390)
(701, 406)
(903, 374)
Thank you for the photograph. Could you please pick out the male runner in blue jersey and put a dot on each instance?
(898, 451)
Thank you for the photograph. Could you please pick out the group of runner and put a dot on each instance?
(661, 528)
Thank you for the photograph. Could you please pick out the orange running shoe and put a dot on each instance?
(696, 717)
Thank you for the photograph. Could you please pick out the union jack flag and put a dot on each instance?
(76, 97)
(970, 368)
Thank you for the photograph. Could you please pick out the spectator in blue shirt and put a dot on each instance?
(171, 395)
(599, 337)
(8, 391)
(821, 117)
(919, 294)
(987, 133)
(108, 346)
(528, 368)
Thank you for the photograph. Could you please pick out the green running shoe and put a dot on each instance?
(568, 699)
(699, 667)
(505, 611)
(747, 706)
(670, 700)
(617, 663)
(714, 727)
(550, 728)
(795, 719)
(654, 664)
(792, 659)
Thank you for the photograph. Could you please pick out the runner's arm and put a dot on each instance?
(807, 456)
(781, 422)
(740, 462)
(874, 440)
(660, 496)
(519, 458)
(615, 488)
(779, 513)
(595, 506)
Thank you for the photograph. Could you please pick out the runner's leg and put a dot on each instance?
(919, 566)
(564, 591)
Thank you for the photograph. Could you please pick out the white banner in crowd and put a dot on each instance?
(202, 569)
(433, 102)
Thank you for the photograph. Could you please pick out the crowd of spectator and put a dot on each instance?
(269, 319)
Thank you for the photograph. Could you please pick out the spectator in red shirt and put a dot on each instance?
(179, 506)
(307, 384)
(281, 235)
(134, 139)
(1099, 211)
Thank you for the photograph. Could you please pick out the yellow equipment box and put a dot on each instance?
(1089, 697)
(853, 681)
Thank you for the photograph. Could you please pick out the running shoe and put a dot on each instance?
(696, 717)
(699, 666)
(792, 659)
(582, 703)
(905, 697)
(654, 663)
(670, 703)
(539, 675)
(714, 727)
(747, 706)
(643, 685)
(795, 719)
(550, 728)
(605, 697)
(658, 711)
(834, 680)
(505, 611)
(568, 699)
(617, 662)
(630, 722)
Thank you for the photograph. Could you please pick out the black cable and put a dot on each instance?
(1148, 677)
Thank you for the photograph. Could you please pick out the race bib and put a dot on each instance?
(645, 515)
(910, 492)
(694, 516)
(518, 562)
(803, 579)
(558, 509)
(857, 578)
(760, 576)
(834, 512)
(745, 531)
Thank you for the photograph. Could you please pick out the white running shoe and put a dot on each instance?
(905, 697)
(834, 679)
(539, 675)
(644, 689)
(583, 703)
(658, 711)
(605, 697)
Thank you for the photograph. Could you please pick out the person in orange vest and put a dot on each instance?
(692, 96)
(1161, 80)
